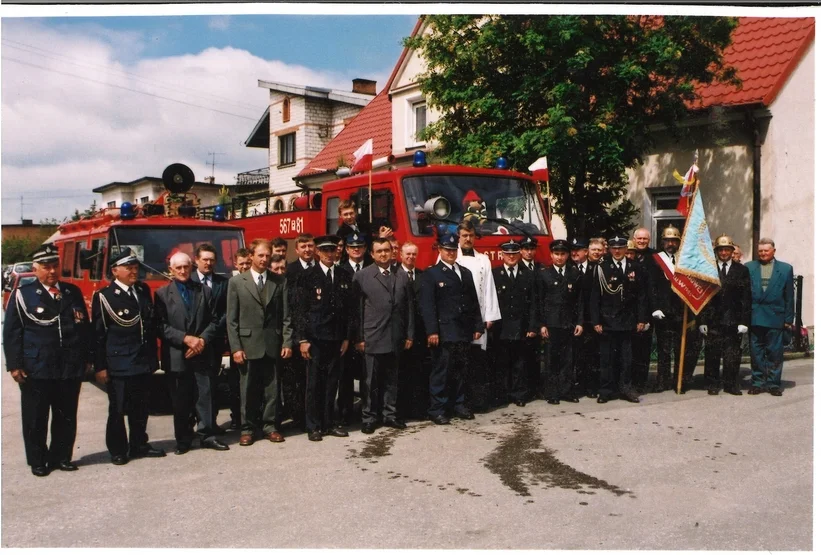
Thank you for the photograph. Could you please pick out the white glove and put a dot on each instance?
(703, 329)
(742, 328)
(658, 315)
(646, 327)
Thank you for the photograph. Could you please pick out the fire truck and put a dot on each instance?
(418, 203)
(152, 231)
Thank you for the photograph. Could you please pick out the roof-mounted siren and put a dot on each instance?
(178, 180)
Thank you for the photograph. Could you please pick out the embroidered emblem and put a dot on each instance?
(318, 290)
(39, 291)
(117, 291)
(441, 284)
(39, 310)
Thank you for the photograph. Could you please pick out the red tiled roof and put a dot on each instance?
(764, 51)
(374, 121)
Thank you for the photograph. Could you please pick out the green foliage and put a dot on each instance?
(85, 213)
(581, 90)
(20, 249)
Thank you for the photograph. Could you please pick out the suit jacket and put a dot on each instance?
(587, 280)
(624, 309)
(53, 351)
(384, 310)
(516, 302)
(176, 321)
(776, 306)
(449, 305)
(560, 302)
(655, 280)
(323, 312)
(217, 298)
(732, 305)
(123, 349)
(258, 323)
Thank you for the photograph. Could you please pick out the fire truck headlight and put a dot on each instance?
(419, 160)
(127, 211)
(437, 207)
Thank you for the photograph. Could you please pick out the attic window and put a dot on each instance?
(286, 110)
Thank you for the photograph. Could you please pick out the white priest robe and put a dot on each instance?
(479, 266)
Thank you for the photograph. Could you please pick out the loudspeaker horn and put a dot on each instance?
(178, 178)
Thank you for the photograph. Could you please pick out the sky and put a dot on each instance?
(91, 100)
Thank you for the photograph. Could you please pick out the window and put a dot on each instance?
(144, 200)
(420, 119)
(97, 258)
(664, 213)
(287, 149)
(286, 110)
(69, 253)
(78, 268)
(112, 204)
(332, 224)
(279, 206)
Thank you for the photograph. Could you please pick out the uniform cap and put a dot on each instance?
(355, 240)
(559, 245)
(449, 241)
(124, 258)
(723, 241)
(617, 241)
(327, 241)
(528, 243)
(510, 247)
(578, 243)
(46, 253)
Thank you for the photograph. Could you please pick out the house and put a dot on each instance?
(148, 189)
(299, 122)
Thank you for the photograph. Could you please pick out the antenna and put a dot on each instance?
(213, 155)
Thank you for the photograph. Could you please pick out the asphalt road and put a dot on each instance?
(674, 472)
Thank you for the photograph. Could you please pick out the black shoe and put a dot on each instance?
(336, 432)
(570, 399)
(440, 419)
(592, 395)
(147, 451)
(182, 449)
(630, 397)
(396, 424)
(464, 414)
(754, 390)
(119, 460)
(368, 428)
(775, 392)
(712, 391)
(40, 471)
(65, 466)
(552, 401)
(732, 391)
(213, 443)
(519, 403)
(316, 435)
(602, 400)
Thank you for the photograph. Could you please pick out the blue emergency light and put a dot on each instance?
(501, 163)
(127, 211)
(419, 160)
(219, 213)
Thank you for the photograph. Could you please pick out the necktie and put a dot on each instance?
(581, 268)
(530, 266)
(207, 281)
(561, 271)
(673, 258)
(186, 296)
(410, 275)
(621, 270)
(260, 283)
(356, 269)
(385, 273)
(512, 275)
(457, 273)
(329, 276)
(55, 293)
(311, 264)
(724, 270)
(132, 294)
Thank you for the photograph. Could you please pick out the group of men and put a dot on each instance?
(437, 343)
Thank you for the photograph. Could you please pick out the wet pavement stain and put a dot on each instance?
(521, 456)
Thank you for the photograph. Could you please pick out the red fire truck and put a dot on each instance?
(152, 231)
(419, 203)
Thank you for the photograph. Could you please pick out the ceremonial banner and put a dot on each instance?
(688, 184)
(363, 157)
(696, 278)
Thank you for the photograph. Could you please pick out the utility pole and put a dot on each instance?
(213, 156)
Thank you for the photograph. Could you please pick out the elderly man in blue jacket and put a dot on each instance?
(772, 314)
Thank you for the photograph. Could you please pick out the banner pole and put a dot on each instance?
(681, 353)
(370, 196)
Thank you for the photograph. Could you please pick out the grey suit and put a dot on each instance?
(259, 323)
(190, 380)
(384, 321)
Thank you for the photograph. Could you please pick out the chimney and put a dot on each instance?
(364, 86)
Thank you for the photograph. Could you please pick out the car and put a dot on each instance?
(16, 281)
(13, 269)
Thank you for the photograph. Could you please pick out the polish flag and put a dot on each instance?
(363, 157)
(688, 186)
(539, 169)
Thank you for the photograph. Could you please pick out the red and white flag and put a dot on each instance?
(688, 185)
(363, 157)
(539, 169)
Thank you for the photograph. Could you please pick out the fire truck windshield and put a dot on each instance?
(154, 246)
(497, 205)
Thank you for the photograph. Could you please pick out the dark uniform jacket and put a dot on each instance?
(323, 311)
(58, 350)
(517, 303)
(618, 309)
(560, 300)
(124, 348)
(732, 305)
(176, 321)
(586, 285)
(654, 275)
(663, 296)
(449, 305)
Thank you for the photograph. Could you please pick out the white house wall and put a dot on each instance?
(788, 176)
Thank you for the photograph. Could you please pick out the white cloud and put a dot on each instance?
(219, 22)
(74, 117)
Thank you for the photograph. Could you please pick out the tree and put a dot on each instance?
(581, 90)
(92, 209)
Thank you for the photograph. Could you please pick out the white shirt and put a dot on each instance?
(584, 267)
(453, 267)
(125, 288)
(530, 265)
(514, 268)
(46, 287)
(255, 277)
(203, 278)
(353, 264)
(305, 265)
(325, 269)
(560, 269)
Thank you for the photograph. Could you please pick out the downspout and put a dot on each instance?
(756, 135)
